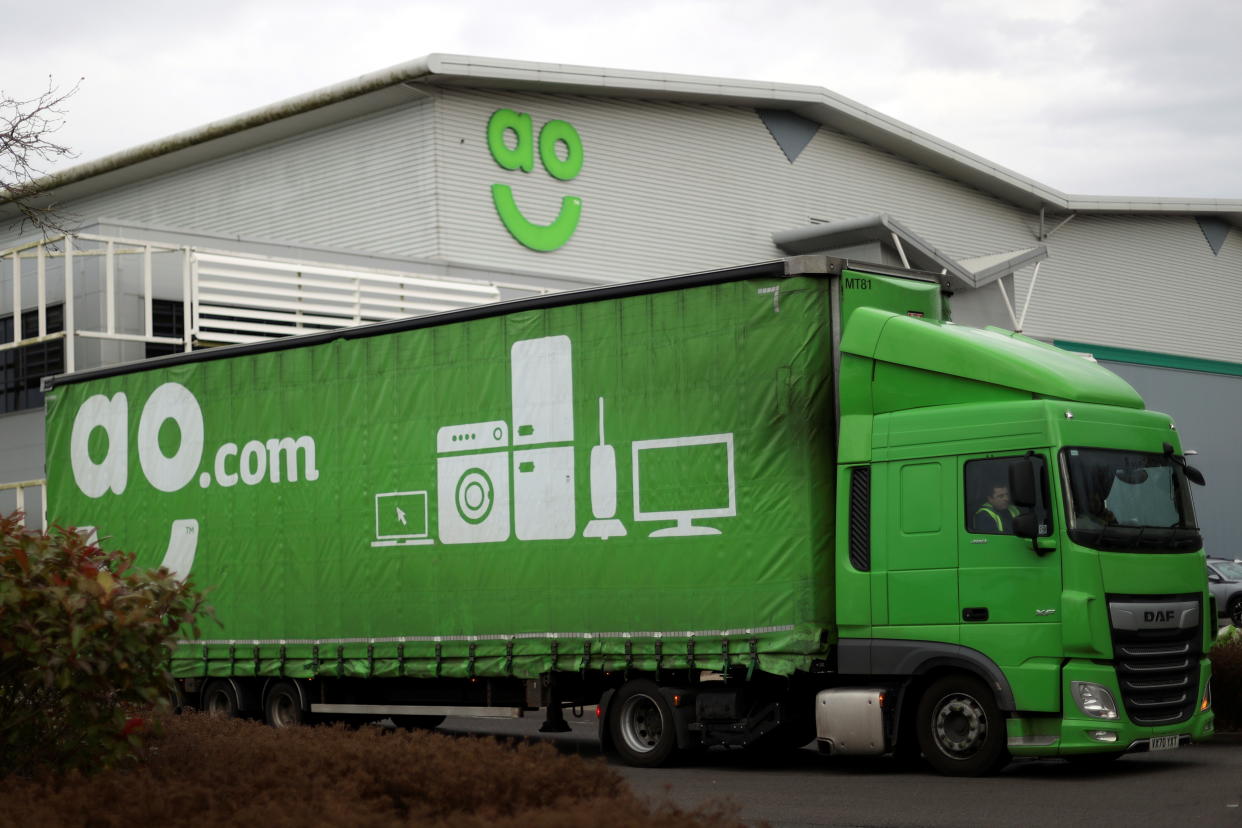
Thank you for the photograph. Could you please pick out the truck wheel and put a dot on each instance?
(283, 706)
(641, 724)
(219, 698)
(961, 730)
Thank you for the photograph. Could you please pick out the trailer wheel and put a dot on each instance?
(283, 705)
(219, 698)
(961, 730)
(641, 725)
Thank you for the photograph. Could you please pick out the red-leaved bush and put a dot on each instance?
(83, 635)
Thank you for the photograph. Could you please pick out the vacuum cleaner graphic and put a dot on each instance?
(603, 489)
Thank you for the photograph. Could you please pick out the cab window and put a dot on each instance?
(990, 509)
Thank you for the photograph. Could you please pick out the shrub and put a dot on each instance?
(83, 633)
(1226, 658)
(210, 771)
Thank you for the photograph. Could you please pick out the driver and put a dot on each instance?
(1096, 513)
(995, 516)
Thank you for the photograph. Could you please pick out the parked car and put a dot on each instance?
(1225, 581)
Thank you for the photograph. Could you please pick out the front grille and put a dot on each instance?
(1158, 670)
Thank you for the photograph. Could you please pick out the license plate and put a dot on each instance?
(1163, 742)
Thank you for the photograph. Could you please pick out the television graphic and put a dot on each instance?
(684, 479)
(401, 519)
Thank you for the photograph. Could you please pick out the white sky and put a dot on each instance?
(1100, 97)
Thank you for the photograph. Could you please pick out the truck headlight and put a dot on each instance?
(1094, 700)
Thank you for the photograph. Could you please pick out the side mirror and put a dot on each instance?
(1215, 579)
(1192, 474)
(1024, 482)
(1026, 525)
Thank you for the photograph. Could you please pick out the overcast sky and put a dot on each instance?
(1142, 97)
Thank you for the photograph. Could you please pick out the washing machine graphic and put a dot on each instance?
(472, 483)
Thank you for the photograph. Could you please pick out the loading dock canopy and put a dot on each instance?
(915, 251)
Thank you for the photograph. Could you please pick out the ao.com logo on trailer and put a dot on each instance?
(170, 447)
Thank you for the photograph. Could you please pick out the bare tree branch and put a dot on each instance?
(27, 127)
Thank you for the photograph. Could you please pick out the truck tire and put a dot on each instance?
(283, 705)
(961, 730)
(219, 698)
(641, 725)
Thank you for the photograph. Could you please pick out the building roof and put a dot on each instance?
(389, 87)
(915, 251)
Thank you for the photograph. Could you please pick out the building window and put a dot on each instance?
(167, 319)
(23, 368)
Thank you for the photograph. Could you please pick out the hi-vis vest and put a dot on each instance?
(987, 509)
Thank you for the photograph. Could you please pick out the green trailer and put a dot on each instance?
(755, 506)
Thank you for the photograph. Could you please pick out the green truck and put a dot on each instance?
(745, 508)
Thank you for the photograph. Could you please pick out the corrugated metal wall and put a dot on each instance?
(1144, 282)
(670, 187)
(1203, 405)
(673, 187)
(365, 184)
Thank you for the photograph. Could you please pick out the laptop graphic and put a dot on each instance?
(401, 519)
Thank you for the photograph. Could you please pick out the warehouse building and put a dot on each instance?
(451, 181)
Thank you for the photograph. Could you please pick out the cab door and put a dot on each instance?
(921, 550)
(1009, 594)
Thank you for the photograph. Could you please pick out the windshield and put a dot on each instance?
(1129, 500)
(1231, 570)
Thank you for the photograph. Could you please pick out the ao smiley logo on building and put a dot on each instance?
(512, 141)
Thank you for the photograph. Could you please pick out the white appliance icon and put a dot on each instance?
(684, 479)
(543, 423)
(604, 523)
(401, 519)
(472, 482)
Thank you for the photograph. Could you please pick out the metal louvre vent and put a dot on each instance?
(1158, 669)
(249, 298)
(860, 518)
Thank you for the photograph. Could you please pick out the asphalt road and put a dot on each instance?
(1195, 786)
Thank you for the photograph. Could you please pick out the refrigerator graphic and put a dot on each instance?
(542, 439)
